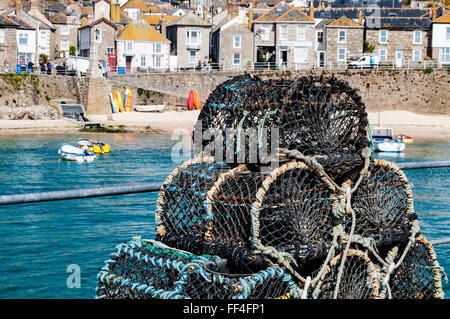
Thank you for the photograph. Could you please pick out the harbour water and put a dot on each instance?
(41, 242)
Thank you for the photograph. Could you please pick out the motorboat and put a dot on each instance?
(384, 140)
(96, 147)
(74, 153)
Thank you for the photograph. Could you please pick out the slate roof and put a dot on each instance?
(6, 22)
(22, 23)
(189, 19)
(283, 12)
(398, 23)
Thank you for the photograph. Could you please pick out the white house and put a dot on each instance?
(25, 41)
(140, 46)
(440, 39)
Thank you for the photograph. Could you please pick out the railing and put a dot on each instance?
(249, 66)
(144, 187)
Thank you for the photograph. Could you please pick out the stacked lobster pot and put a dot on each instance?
(311, 216)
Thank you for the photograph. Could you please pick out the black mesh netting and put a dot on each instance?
(419, 275)
(314, 115)
(144, 269)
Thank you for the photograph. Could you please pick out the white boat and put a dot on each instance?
(73, 153)
(149, 108)
(384, 140)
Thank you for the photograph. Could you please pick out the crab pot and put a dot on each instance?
(149, 269)
(419, 274)
(359, 278)
(316, 116)
(290, 209)
(383, 205)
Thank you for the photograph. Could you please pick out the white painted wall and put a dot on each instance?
(102, 9)
(141, 48)
(438, 39)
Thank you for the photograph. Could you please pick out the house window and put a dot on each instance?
(237, 42)
(283, 32)
(65, 30)
(156, 61)
(143, 61)
(447, 34)
(192, 37)
(2, 36)
(64, 45)
(157, 48)
(383, 55)
(342, 36)
(265, 29)
(109, 51)
(97, 35)
(301, 33)
(445, 55)
(342, 53)
(417, 37)
(320, 36)
(417, 55)
(23, 38)
(383, 36)
(192, 56)
(236, 59)
(128, 46)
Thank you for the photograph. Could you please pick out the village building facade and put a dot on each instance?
(141, 48)
(189, 37)
(284, 36)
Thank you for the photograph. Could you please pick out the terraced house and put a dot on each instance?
(338, 41)
(140, 47)
(284, 35)
(440, 47)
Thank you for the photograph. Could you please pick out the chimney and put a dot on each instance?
(360, 16)
(205, 15)
(19, 8)
(433, 13)
(115, 11)
(311, 10)
(250, 18)
(34, 5)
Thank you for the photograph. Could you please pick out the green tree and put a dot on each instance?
(72, 50)
(43, 58)
(367, 47)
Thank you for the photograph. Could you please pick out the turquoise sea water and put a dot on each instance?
(40, 241)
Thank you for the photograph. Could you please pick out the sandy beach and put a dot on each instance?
(420, 127)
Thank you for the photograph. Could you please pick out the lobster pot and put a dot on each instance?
(232, 121)
(383, 205)
(149, 269)
(323, 117)
(419, 274)
(180, 205)
(359, 278)
(290, 209)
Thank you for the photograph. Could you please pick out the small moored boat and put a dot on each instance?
(404, 138)
(149, 108)
(73, 153)
(384, 140)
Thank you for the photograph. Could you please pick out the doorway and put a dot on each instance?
(128, 60)
(398, 58)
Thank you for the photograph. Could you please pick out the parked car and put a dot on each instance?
(366, 61)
